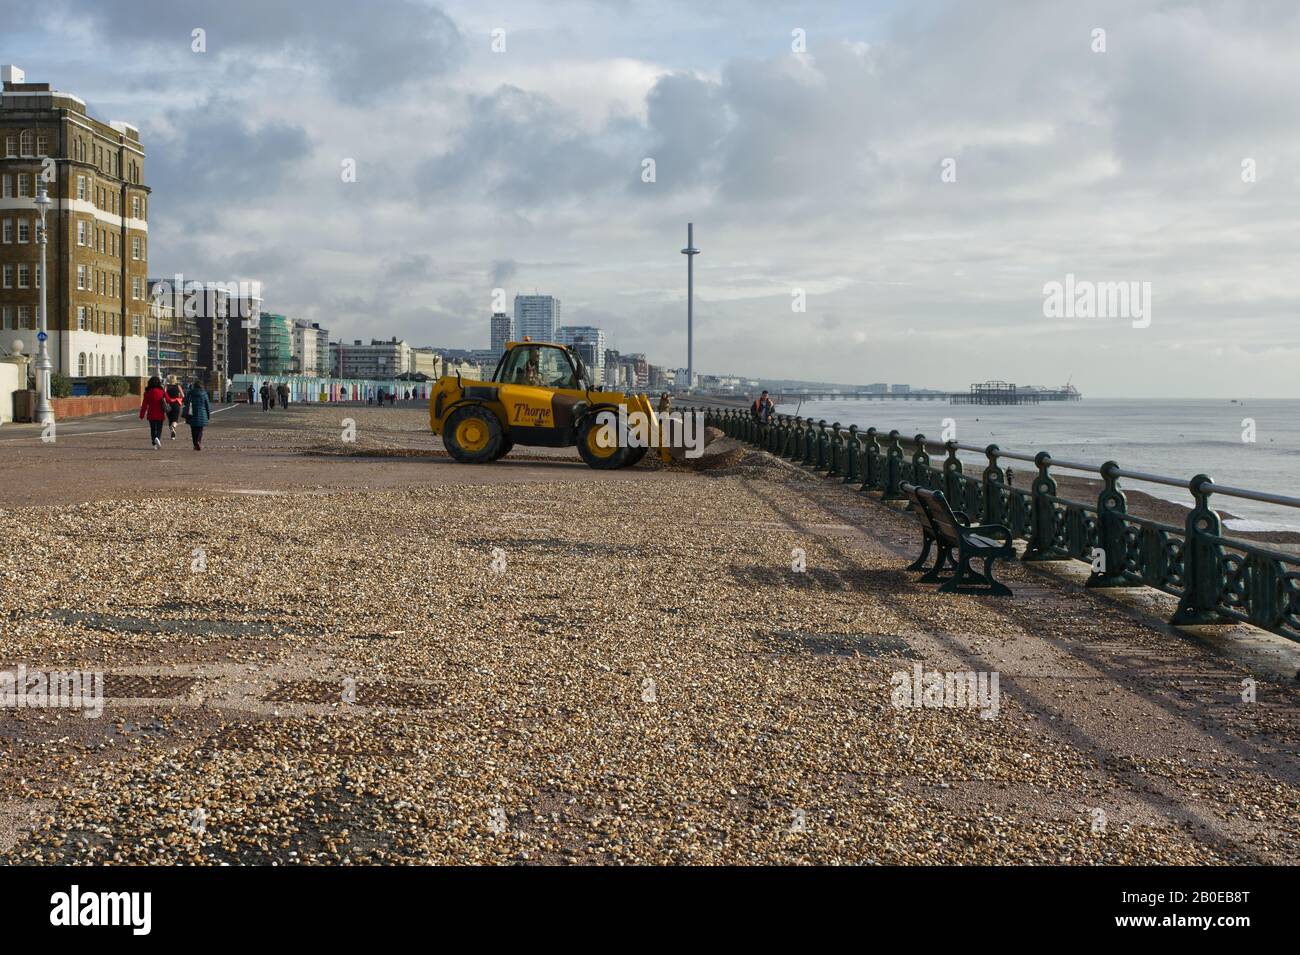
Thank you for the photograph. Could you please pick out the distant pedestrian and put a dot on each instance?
(153, 406)
(283, 391)
(665, 403)
(251, 394)
(197, 411)
(392, 398)
(266, 396)
(761, 409)
(175, 396)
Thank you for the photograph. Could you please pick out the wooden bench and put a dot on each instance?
(929, 536)
(949, 532)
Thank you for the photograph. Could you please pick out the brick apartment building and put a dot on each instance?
(98, 249)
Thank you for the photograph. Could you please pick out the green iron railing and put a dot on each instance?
(1216, 578)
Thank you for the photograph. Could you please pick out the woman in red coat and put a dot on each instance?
(154, 407)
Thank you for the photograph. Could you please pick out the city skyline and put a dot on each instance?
(832, 160)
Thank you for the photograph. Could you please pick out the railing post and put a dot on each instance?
(920, 463)
(1042, 539)
(894, 469)
(833, 465)
(851, 448)
(1111, 507)
(819, 455)
(994, 480)
(871, 462)
(952, 477)
(1202, 560)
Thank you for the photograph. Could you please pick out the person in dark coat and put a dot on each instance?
(154, 407)
(266, 396)
(251, 395)
(197, 411)
(175, 398)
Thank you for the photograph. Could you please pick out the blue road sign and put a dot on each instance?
(41, 336)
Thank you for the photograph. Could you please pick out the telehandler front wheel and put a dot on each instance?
(473, 435)
(591, 450)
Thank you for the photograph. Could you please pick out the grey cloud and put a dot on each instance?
(522, 149)
(503, 271)
(365, 49)
(212, 156)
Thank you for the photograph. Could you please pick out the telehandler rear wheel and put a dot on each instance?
(473, 435)
(506, 446)
(591, 450)
(634, 457)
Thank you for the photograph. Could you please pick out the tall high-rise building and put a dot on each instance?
(503, 330)
(98, 249)
(537, 317)
(589, 342)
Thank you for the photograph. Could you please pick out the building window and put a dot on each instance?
(81, 365)
(8, 317)
(25, 142)
(81, 278)
(42, 144)
(24, 276)
(8, 276)
(25, 319)
(135, 287)
(24, 189)
(38, 276)
(135, 207)
(81, 187)
(8, 231)
(8, 186)
(135, 247)
(81, 318)
(24, 230)
(135, 325)
(81, 232)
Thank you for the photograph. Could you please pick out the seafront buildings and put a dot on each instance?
(502, 331)
(98, 251)
(589, 343)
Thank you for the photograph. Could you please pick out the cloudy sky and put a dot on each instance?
(818, 170)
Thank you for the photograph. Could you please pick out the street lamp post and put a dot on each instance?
(157, 328)
(44, 411)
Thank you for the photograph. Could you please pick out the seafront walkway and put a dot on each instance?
(317, 649)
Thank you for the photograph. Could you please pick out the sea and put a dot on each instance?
(1252, 443)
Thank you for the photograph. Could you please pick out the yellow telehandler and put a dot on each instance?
(541, 395)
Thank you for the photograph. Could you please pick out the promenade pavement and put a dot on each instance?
(319, 651)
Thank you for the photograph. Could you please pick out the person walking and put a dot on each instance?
(665, 403)
(283, 391)
(175, 397)
(251, 394)
(153, 406)
(197, 411)
(266, 396)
